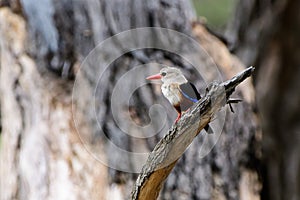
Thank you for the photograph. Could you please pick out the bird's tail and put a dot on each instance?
(208, 129)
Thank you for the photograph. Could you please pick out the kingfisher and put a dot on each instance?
(181, 93)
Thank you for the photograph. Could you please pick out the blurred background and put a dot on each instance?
(58, 128)
(216, 13)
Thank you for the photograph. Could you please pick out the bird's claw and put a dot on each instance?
(178, 117)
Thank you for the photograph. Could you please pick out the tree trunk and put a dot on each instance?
(274, 26)
(61, 122)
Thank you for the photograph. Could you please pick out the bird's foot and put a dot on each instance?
(187, 110)
(178, 117)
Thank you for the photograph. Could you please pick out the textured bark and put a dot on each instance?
(41, 154)
(43, 43)
(274, 27)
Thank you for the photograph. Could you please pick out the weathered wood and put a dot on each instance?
(42, 156)
(169, 149)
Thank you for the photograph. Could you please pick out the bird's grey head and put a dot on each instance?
(172, 75)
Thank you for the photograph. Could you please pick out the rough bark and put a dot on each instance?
(41, 154)
(43, 43)
(274, 27)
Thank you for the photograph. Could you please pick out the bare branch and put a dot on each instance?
(172, 146)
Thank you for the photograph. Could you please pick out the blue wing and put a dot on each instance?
(190, 92)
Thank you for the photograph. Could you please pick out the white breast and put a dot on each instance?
(171, 92)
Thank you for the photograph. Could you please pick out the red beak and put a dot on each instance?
(153, 77)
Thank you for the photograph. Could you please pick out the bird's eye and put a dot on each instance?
(164, 73)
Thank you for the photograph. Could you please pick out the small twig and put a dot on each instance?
(230, 101)
(171, 147)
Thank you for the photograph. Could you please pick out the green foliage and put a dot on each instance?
(217, 12)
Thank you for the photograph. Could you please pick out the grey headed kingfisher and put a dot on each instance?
(181, 93)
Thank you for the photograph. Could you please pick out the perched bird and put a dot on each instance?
(176, 88)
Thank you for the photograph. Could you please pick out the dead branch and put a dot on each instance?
(172, 146)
